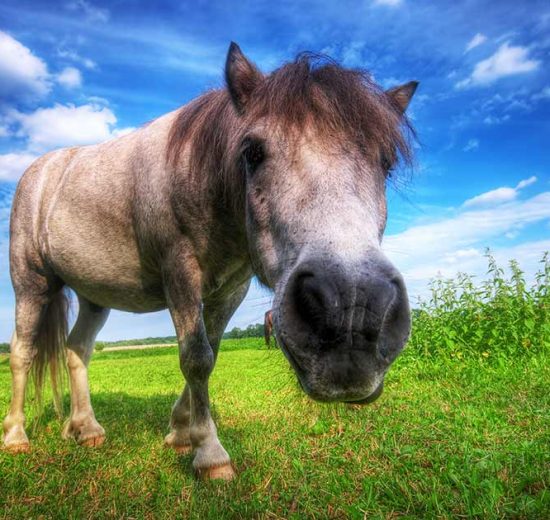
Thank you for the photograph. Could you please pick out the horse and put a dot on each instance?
(268, 327)
(281, 176)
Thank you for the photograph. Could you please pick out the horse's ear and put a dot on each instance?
(403, 94)
(241, 76)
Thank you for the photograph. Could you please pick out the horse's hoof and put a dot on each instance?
(88, 433)
(15, 439)
(225, 472)
(182, 450)
(178, 442)
(14, 449)
(92, 442)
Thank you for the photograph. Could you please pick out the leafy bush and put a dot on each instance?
(498, 318)
(99, 346)
(4, 348)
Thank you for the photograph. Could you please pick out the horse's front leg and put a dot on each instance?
(197, 360)
(216, 314)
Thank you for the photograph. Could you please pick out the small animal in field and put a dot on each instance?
(268, 327)
(278, 175)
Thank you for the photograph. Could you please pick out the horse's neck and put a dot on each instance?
(176, 202)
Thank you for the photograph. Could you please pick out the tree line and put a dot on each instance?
(252, 331)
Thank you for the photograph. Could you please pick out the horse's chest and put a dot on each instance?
(223, 281)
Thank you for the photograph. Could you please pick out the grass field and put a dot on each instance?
(461, 438)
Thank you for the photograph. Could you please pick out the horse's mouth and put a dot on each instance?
(371, 398)
(292, 360)
(301, 376)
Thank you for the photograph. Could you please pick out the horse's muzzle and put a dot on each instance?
(342, 326)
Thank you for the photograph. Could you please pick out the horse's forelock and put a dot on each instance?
(312, 90)
(315, 90)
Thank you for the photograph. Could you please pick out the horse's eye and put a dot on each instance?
(387, 166)
(253, 155)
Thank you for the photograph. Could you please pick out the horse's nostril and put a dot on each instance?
(317, 303)
(309, 299)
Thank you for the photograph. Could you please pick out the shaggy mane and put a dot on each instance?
(311, 90)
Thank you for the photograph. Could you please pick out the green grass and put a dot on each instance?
(465, 438)
(462, 430)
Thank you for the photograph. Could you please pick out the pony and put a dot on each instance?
(279, 175)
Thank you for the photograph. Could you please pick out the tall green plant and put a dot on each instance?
(499, 318)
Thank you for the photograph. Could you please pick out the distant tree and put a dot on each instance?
(255, 330)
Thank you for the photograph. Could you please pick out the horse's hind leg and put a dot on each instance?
(179, 438)
(82, 424)
(29, 311)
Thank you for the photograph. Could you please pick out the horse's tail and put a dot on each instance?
(50, 345)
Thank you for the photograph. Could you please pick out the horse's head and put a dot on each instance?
(318, 143)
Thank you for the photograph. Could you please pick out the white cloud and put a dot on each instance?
(476, 41)
(499, 195)
(543, 94)
(70, 78)
(23, 74)
(391, 3)
(472, 144)
(88, 63)
(496, 120)
(526, 182)
(506, 61)
(72, 55)
(461, 255)
(98, 100)
(454, 244)
(492, 197)
(501, 107)
(90, 11)
(65, 125)
(391, 82)
(12, 165)
(352, 54)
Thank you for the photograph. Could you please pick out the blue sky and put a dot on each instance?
(79, 72)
